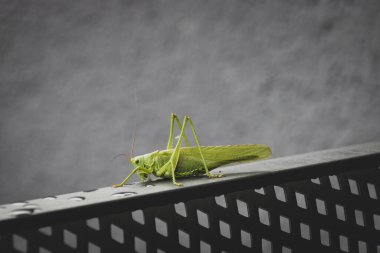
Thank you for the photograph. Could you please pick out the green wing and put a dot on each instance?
(190, 162)
(220, 155)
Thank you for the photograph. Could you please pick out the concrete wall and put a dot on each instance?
(297, 75)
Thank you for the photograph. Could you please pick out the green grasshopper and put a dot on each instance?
(191, 161)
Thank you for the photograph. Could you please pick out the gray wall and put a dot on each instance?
(297, 75)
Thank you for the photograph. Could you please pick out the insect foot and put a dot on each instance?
(178, 184)
(117, 185)
(215, 175)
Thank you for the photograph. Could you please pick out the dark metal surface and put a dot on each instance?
(336, 211)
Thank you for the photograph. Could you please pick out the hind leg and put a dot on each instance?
(200, 150)
(171, 133)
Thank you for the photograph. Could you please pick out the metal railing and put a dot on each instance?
(322, 201)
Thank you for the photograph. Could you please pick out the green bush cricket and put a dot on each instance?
(191, 161)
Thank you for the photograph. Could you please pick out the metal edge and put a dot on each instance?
(237, 178)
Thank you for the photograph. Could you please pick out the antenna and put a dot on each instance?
(133, 142)
(116, 156)
(135, 125)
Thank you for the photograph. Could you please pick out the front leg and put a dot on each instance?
(144, 177)
(173, 175)
(126, 179)
(169, 169)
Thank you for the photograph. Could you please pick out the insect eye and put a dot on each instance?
(137, 161)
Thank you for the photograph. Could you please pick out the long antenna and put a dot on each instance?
(116, 156)
(133, 141)
(135, 125)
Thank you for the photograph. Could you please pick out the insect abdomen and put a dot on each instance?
(190, 166)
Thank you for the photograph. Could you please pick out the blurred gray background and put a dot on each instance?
(299, 76)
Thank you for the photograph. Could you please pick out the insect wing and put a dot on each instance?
(230, 153)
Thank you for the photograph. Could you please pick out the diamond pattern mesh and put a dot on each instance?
(335, 213)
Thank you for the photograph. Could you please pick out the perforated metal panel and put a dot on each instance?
(331, 212)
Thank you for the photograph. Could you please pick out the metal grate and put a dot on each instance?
(332, 206)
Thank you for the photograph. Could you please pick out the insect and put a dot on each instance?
(188, 161)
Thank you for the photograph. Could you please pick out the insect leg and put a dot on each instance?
(184, 134)
(144, 174)
(126, 179)
(170, 141)
(171, 137)
(200, 150)
(172, 163)
(170, 167)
